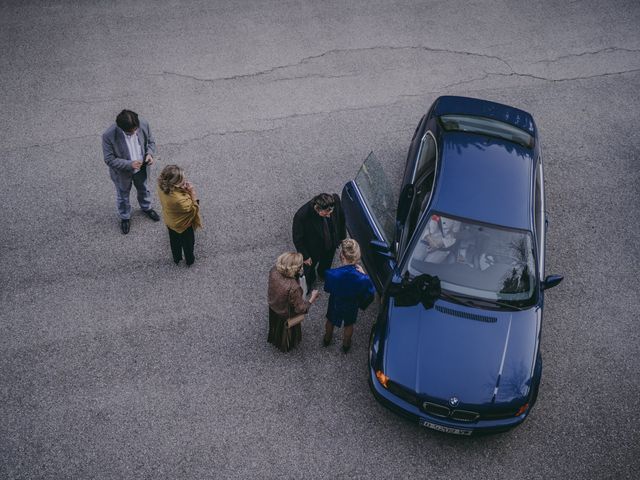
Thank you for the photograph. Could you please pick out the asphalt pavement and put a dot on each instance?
(115, 363)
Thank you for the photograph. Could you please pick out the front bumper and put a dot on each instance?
(413, 413)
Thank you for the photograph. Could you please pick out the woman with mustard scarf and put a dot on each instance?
(180, 211)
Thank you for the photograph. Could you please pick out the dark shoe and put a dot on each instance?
(151, 213)
(346, 348)
(177, 261)
(326, 341)
(124, 226)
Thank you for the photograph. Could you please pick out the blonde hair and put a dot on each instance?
(350, 250)
(170, 177)
(289, 264)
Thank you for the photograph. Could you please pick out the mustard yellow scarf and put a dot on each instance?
(179, 211)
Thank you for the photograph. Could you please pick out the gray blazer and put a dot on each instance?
(116, 153)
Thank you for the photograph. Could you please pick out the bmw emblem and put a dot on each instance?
(454, 401)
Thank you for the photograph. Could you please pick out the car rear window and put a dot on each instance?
(486, 126)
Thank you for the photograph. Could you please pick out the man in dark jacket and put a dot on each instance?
(318, 229)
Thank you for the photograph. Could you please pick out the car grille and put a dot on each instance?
(438, 410)
(435, 409)
(445, 412)
(464, 415)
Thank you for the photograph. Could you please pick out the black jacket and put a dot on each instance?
(308, 230)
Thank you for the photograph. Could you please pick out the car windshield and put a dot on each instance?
(486, 126)
(476, 260)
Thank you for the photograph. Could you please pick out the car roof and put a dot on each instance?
(484, 179)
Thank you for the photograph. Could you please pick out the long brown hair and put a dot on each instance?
(171, 176)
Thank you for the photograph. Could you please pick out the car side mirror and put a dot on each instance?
(381, 248)
(404, 204)
(551, 281)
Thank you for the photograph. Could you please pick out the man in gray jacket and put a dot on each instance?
(128, 149)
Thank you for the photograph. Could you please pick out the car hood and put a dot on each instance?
(482, 357)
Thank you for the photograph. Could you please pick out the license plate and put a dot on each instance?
(440, 428)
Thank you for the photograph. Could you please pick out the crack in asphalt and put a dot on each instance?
(219, 133)
(313, 75)
(464, 82)
(594, 52)
(329, 52)
(528, 75)
(512, 72)
(329, 112)
(275, 119)
(568, 79)
(222, 132)
(97, 135)
(51, 144)
(88, 102)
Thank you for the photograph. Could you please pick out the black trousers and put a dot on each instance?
(182, 242)
(322, 263)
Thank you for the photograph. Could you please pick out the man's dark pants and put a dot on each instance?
(323, 263)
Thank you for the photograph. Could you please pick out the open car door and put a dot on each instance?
(369, 203)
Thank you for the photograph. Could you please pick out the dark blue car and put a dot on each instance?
(468, 218)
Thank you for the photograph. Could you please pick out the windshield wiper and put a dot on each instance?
(475, 302)
(456, 299)
(507, 305)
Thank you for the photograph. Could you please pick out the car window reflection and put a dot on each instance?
(475, 259)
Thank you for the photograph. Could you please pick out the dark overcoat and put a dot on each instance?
(308, 232)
